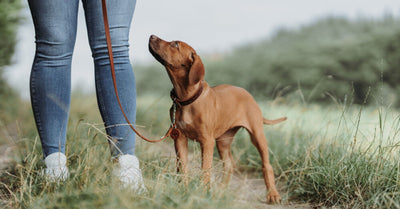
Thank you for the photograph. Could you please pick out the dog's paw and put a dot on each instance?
(273, 197)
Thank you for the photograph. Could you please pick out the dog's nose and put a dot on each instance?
(153, 37)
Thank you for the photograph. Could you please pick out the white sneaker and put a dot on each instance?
(129, 173)
(56, 167)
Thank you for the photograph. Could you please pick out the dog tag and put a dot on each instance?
(175, 134)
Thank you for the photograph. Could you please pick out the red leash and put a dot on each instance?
(175, 132)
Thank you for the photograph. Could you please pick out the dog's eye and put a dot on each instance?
(175, 44)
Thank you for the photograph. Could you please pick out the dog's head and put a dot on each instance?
(183, 65)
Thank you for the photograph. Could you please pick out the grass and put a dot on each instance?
(329, 156)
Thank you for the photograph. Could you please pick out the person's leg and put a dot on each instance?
(55, 24)
(120, 13)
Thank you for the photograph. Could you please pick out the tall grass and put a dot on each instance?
(342, 156)
(357, 168)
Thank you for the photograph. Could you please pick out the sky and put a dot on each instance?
(210, 26)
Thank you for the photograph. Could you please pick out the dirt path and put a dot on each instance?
(251, 191)
(5, 161)
(4, 157)
(8, 137)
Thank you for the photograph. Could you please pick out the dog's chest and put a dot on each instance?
(187, 125)
(184, 124)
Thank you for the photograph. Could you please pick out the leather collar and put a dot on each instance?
(190, 100)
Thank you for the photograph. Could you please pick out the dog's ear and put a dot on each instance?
(196, 71)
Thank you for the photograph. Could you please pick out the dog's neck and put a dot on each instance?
(188, 98)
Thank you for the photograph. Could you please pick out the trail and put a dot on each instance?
(8, 137)
(4, 157)
(5, 161)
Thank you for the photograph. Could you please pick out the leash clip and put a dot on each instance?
(175, 133)
(173, 125)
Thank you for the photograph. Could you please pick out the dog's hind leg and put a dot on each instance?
(224, 143)
(259, 140)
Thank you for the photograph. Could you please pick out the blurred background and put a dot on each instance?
(315, 50)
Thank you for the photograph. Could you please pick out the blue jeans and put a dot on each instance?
(55, 23)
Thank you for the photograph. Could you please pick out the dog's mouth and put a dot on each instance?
(156, 55)
(153, 46)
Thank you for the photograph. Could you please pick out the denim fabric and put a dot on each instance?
(55, 23)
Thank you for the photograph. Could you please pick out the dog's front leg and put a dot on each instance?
(181, 149)
(207, 149)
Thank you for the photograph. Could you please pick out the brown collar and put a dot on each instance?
(190, 100)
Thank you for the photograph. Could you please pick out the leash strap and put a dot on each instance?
(110, 55)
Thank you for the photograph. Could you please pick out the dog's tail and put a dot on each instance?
(272, 122)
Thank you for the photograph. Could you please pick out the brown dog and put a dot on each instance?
(207, 113)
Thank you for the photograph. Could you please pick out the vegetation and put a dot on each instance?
(342, 156)
(9, 18)
(333, 58)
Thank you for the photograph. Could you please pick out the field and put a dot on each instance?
(337, 155)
